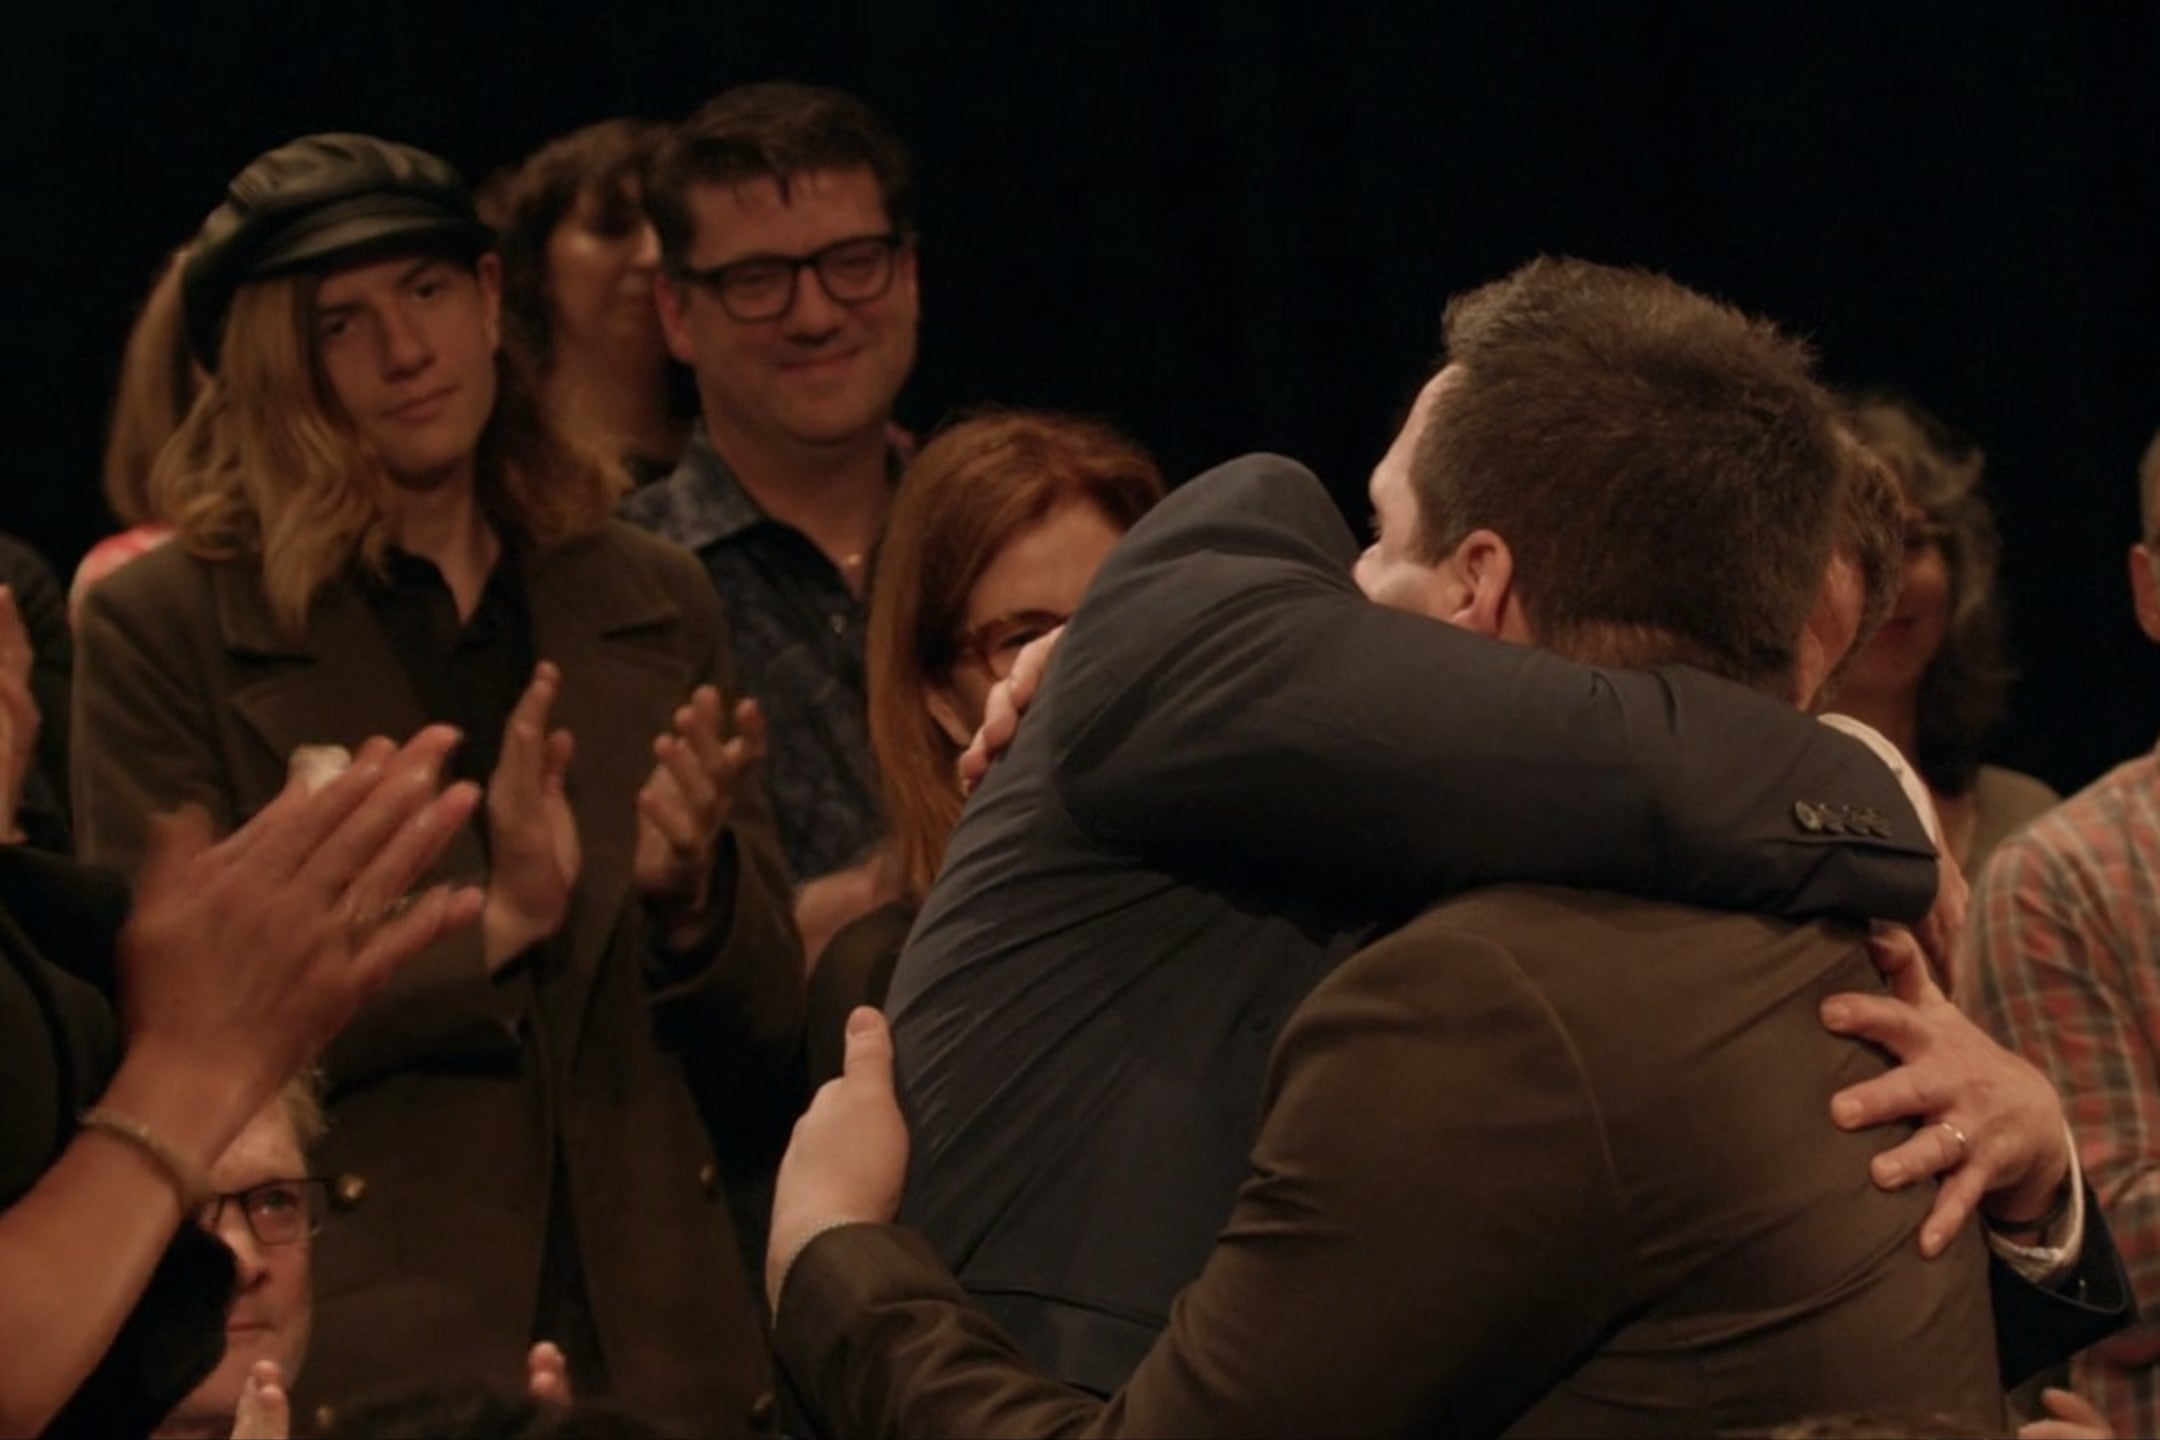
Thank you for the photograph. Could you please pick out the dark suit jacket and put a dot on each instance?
(1543, 1162)
(457, 1098)
(1238, 765)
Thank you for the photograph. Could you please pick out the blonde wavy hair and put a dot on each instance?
(268, 467)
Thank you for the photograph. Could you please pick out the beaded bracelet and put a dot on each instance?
(192, 1186)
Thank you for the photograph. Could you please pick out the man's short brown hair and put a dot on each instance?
(775, 130)
(1664, 469)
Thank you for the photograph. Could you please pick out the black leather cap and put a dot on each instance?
(312, 203)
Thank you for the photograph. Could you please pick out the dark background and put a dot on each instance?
(1231, 226)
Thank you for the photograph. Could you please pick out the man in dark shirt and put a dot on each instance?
(379, 527)
(788, 285)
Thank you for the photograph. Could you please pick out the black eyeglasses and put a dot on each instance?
(278, 1212)
(997, 643)
(762, 287)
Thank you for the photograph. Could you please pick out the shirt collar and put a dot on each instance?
(701, 502)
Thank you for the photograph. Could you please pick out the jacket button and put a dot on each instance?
(708, 1179)
(1807, 817)
(348, 1190)
(761, 1410)
(326, 1418)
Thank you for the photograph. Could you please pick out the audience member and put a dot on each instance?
(266, 1207)
(789, 288)
(2064, 965)
(999, 525)
(378, 526)
(1475, 1201)
(578, 260)
(237, 961)
(1934, 678)
(1249, 767)
(158, 382)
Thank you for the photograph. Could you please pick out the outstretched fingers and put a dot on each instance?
(408, 926)
(399, 818)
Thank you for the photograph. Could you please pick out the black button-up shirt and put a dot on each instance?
(468, 673)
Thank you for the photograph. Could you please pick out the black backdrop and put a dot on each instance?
(1230, 226)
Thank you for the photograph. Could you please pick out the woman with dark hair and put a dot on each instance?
(998, 527)
(1935, 676)
(578, 258)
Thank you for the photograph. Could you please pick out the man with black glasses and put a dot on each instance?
(789, 286)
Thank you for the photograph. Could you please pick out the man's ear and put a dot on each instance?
(1480, 579)
(944, 708)
(2145, 587)
(668, 299)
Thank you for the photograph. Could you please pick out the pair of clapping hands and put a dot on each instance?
(245, 955)
(682, 809)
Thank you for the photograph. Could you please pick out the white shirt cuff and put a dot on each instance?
(2060, 1244)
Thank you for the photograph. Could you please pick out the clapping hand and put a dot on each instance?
(265, 1410)
(685, 805)
(532, 836)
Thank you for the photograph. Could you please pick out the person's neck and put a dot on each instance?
(620, 400)
(836, 495)
(1895, 716)
(445, 527)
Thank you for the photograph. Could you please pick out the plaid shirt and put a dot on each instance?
(797, 634)
(2064, 966)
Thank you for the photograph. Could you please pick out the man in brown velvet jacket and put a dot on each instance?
(378, 528)
(1543, 1161)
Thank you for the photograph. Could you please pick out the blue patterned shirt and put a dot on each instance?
(798, 639)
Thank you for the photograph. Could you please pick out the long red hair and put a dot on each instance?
(977, 486)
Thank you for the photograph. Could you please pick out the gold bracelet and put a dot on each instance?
(190, 1184)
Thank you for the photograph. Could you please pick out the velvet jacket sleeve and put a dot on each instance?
(1322, 1309)
(1246, 708)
